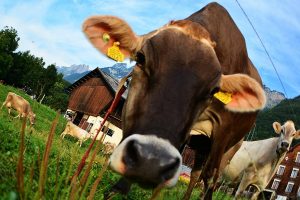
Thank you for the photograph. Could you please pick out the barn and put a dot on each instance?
(90, 97)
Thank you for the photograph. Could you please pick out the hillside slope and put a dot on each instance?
(63, 161)
(66, 152)
(288, 109)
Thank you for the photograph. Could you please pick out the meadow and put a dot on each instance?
(51, 179)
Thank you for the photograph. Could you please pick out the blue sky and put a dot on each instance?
(52, 29)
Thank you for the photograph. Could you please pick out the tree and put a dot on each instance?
(24, 70)
(8, 44)
(57, 98)
(21, 65)
(46, 81)
(33, 77)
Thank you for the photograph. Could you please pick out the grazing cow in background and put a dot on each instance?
(75, 131)
(181, 69)
(19, 104)
(256, 162)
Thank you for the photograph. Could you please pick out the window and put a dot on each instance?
(275, 184)
(294, 173)
(280, 169)
(89, 127)
(289, 187)
(298, 158)
(110, 132)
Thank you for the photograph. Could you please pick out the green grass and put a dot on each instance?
(63, 159)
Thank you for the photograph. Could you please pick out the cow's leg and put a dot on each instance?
(3, 104)
(80, 142)
(208, 190)
(9, 110)
(247, 179)
(209, 186)
(201, 144)
(122, 187)
(195, 174)
(255, 195)
(210, 172)
(62, 135)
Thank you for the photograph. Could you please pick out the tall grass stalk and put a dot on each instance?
(84, 178)
(98, 180)
(64, 180)
(57, 173)
(89, 167)
(20, 167)
(28, 187)
(43, 171)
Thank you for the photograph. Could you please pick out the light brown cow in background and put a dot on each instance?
(75, 131)
(256, 162)
(19, 104)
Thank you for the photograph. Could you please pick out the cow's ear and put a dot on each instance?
(247, 95)
(277, 127)
(297, 135)
(105, 31)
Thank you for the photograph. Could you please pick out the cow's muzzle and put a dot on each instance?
(284, 147)
(147, 160)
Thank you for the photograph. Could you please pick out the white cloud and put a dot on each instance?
(63, 44)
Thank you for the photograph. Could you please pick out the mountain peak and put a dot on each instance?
(75, 72)
(273, 97)
(118, 70)
(78, 69)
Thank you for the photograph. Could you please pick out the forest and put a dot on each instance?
(26, 71)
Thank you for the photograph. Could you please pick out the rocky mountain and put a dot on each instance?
(273, 97)
(75, 72)
(73, 69)
(75, 76)
(118, 70)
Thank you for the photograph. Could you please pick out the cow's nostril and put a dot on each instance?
(285, 144)
(169, 169)
(133, 153)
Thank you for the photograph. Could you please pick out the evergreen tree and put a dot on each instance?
(8, 44)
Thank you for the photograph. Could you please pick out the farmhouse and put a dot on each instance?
(90, 97)
(286, 181)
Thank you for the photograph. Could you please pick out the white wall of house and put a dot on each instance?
(117, 133)
(279, 197)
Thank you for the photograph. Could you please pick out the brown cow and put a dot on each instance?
(21, 105)
(75, 131)
(179, 68)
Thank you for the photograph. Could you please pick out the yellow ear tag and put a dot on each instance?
(224, 97)
(115, 53)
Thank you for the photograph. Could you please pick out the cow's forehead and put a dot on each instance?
(289, 127)
(194, 30)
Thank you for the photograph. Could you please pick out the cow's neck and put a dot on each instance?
(276, 164)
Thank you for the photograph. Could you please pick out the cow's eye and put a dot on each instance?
(215, 90)
(140, 58)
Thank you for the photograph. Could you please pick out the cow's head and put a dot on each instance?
(176, 75)
(287, 133)
(31, 118)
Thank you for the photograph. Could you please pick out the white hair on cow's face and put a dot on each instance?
(117, 164)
